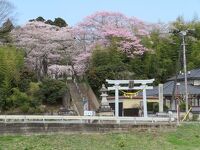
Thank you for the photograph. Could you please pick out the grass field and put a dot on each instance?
(186, 137)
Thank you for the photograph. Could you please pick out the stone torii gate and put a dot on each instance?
(132, 85)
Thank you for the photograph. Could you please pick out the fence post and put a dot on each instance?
(24, 118)
(5, 119)
(62, 120)
(43, 119)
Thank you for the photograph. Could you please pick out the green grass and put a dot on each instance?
(186, 137)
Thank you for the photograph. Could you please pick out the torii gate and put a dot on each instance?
(141, 85)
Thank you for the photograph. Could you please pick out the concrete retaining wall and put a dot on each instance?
(28, 128)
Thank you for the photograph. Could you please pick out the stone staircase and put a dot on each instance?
(78, 92)
(76, 97)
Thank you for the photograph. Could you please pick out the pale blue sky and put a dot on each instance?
(73, 11)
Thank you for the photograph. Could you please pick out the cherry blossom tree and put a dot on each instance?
(81, 62)
(100, 27)
(56, 71)
(46, 45)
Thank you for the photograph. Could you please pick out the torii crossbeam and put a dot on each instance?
(138, 84)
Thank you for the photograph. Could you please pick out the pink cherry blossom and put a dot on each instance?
(102, 26)
(45, 45)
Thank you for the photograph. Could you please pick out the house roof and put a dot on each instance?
(192, 74)
(168, 89)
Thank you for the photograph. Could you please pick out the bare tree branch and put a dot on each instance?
(6, 9)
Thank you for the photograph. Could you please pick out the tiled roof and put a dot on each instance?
(168, 89)
(192, 74)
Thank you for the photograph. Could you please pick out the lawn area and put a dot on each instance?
(186, 137)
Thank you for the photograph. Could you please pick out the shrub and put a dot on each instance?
(33, 94)
(25, 108)
(18, 98)
(51, 91)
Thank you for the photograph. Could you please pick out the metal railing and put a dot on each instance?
(81, 119)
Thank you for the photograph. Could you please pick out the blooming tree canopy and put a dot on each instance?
(101, 27)
(56, 71)
(46, 45)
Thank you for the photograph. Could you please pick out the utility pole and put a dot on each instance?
(177, 103)
(183, 34)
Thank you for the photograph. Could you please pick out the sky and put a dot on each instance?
(73, 11)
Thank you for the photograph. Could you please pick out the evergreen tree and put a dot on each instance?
(60, 22)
